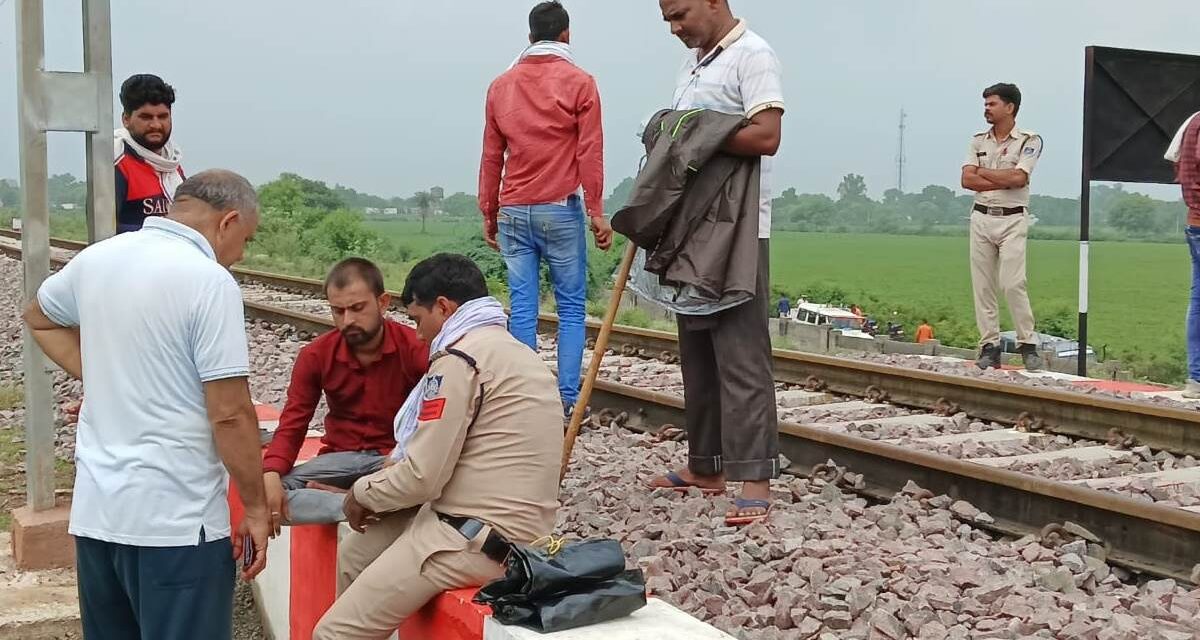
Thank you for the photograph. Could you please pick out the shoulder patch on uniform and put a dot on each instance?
(433, 387)
(981, 134)
(432, 409)
(1033, 146)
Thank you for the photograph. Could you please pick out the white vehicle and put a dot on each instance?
(1061, 347)
(840, 319)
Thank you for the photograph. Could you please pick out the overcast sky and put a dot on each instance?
(386, 96)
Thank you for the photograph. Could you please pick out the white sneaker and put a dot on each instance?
(1191, 390)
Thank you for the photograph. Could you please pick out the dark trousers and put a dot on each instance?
(155, 593)
(729, 387)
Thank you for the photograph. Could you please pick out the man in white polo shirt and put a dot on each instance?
(153, 324)
(726, 356)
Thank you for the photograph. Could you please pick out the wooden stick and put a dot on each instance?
(589, 382)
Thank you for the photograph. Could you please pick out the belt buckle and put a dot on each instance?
(995, 211)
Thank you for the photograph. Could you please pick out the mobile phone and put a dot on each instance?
(247, 551)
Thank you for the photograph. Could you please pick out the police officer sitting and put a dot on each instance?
(476, 462)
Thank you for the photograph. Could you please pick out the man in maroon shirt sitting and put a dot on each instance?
(366, 367)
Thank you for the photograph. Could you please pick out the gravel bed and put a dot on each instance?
(825, 565)
(1137, 461)
(829, 565)
(967, 368)
(972, 449)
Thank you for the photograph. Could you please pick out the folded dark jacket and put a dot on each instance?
(694, 209)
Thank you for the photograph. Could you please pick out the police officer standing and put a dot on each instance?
(476, 463)
(997, 168)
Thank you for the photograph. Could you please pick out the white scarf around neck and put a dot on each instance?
(546, 48)
(474, 314)
(1176, 147)
(166, 164)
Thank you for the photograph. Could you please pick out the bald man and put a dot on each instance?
(167, 410)
(726, 355)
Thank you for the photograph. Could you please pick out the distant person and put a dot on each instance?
(1185, 153)
(148, 169)
(164, 364)
(729, 385)
(479, 469)
(856, 310)
(785, 306)
(364, 369)
(543, 142)
(998, 166)
(924, 332)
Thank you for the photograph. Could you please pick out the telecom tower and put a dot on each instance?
(900, 158)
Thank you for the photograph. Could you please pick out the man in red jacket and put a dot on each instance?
(543, 145)
(148, 165)
(365, 368)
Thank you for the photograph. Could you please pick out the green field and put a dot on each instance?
(1139, 291)
(438, 235)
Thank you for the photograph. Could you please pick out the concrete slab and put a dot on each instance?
(36, 605)
(1173, 394)
(1161, 479)
(925, 420)
(656, 621)
(993, 435)
(1083, 454)
(40, 540)
(1054, 375)
(844, 407)
(792, 398)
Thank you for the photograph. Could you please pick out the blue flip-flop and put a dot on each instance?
(742, 504)
(681, 485)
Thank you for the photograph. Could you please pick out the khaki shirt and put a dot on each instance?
(1020, 150)
(503, 469)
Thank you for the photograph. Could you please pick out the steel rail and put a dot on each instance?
(1055, 411)
(1141, 536)
(1144, 537)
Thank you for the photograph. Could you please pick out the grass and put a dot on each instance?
(439, 234)
(1139, 291)
(12, 453)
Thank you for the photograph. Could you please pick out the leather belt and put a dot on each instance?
(999, 211)
(496, 547)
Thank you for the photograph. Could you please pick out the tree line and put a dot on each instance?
(1117, 214)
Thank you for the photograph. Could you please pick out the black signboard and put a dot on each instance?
(1134, 103)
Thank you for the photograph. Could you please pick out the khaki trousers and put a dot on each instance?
(998, 264)
(391, 571)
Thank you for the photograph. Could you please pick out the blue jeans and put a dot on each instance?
(1193, 316)
(554, 233)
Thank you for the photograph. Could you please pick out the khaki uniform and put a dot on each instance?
(998, 241)
(501, 470)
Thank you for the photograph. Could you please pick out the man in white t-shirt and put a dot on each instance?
(163, 357)
(726, 356)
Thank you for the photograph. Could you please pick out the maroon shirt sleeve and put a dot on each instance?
(303, 395)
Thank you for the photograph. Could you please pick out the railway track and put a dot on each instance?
(853, 399)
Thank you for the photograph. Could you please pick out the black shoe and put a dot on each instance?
(989, 356)
(1029, 353)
